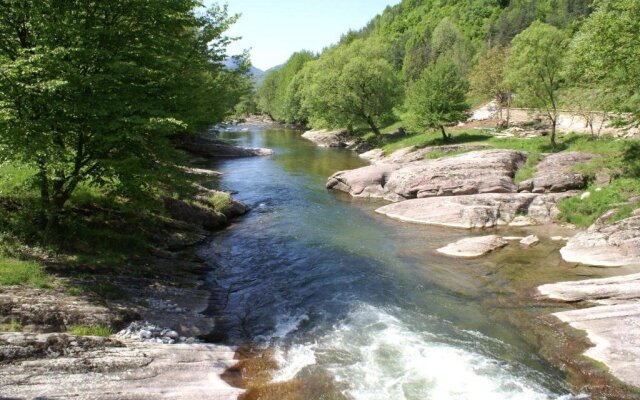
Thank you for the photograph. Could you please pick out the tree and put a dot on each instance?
(606, 54)
(438, 98)
(534, 69)
(488, 77)
(351, 86)
(88, 94)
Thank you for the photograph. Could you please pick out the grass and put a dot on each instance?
(585, 212)
(27, 273)
(529, 168)
(93, 330)
(435, 154)
(13, 326)
(14, 179)
(221, 202)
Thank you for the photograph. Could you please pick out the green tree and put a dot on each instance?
(534, 69)
(606, 54)
(438, 98)
(488, 76)
(91, 91)
(352, 86)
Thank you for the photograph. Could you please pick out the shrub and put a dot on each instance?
(93, 330)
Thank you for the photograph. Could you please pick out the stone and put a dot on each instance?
(585, 195)
(558, 238)
(195, 214)
(489, 171)
(530, 241)
(412, 154)
(324, 138)
(373, 155)
(606, 245)
(613, 326)
(555, 173)
(474, 247)
(476, 211)
(209, 147)
(521, 221)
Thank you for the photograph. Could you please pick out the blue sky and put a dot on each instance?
(274, 29)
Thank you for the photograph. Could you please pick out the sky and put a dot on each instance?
(275, 29)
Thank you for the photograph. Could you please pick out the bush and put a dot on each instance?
(221, 202)
(17, 272)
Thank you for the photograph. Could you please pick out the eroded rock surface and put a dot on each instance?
(474, 246)
(489, 171)
(613, 326)
(56, 365)
(556, 173)
(604, 245)
(209, 147)
(324, 138)
(476, 211)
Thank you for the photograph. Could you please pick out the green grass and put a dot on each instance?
(27, 273)
(529, 168)
(14, 179)
(585, 212)
(13, 326)
(221, 202)
(94, 330)
(435, 154)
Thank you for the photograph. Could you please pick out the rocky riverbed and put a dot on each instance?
(476, 190)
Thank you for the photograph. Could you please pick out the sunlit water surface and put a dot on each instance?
(338, 290)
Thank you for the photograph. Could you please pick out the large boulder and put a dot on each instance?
(605, 245)
(476, 211)
(474, 246)
(196, 214)
(556, 173)
(209, 147)
(412, 154)
(367, 182)
(489, 171)
(324, 138)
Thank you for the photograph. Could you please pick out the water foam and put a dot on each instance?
(375, 356)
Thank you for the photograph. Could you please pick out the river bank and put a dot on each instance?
(476, 190)
(151, 312)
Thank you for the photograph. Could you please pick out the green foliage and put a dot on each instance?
(488, 76)
(351, 86)
(438, 98)
(88, 95)
(529, 168)
(13, 326)
(584, 212)
(92, 330)
(606, 53)
(18, 272)
(535, 66)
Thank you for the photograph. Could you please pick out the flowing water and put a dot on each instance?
(337, 290)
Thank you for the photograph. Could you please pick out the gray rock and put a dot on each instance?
(605, 245)
(555, 173)
(530, 241)
(324, 138)
(474, 247)
(367, 182)
(613, 326)
(196, 214)
(206, 146)
(476, 211)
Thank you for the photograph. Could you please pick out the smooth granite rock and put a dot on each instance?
(474, 246)
(324, 138)
(556, 173)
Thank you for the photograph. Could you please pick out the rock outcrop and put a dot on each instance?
(324, 138)
(605, 245)
(555, 174)
(55, 366)
(411, 154)
(209, 147)
(476, 211)
(489, 171)
(474, 246)
(613, 326)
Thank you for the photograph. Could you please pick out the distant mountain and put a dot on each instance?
(256, 73)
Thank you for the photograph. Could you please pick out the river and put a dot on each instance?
(336, 290)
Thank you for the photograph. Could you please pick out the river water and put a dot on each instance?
(336, 290)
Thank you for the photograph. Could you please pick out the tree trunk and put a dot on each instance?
(554, 146)
(445, 136)
(373, 127)
(508, 110)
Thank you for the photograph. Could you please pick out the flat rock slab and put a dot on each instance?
(612, 245)
(613, 326)
(134, 371)
(475, 211)
(556, 173)
(209, 147)
(474, 247)
(488, 171)
(324, 138)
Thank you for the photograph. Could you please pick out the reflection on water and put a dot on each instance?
(338, 290)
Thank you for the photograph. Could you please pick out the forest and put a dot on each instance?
(423, 64)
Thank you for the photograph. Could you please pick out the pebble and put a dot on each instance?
(146, 332)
